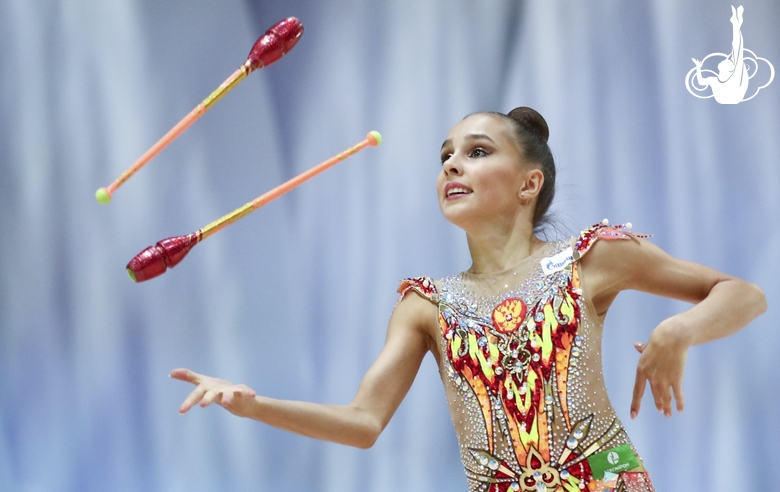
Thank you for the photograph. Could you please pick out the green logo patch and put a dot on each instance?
(615, 460)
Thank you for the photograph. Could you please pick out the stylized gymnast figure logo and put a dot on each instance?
(735, 70)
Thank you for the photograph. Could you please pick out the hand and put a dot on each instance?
(696, 62)
(235, 398)
(662, 364)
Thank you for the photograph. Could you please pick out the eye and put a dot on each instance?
(479, 152)
(445, 157)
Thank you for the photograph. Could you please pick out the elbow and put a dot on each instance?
(366, 434)
(751, 296)
(760, 297)
(368, 437)
(365, 443)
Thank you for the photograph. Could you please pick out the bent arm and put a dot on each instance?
(701, 80)
(730, 305)
(360, 422)
(723, 305)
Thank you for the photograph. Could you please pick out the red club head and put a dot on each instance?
(154, 260)
(275, 43)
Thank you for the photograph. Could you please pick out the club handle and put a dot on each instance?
(372, 139)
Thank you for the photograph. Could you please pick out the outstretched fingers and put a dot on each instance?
(209, 397)
(639, 391)
(185, 375)
(193, 398)
(663, 391)
(227, 398)
(678, 396)
(212, 390)
(662, 397)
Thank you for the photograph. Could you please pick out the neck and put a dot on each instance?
(498, 247)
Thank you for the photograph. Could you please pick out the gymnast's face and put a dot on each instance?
(481, 176)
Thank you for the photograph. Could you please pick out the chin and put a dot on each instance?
(459, 218)
(451, 216)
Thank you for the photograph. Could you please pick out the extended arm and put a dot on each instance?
(723, 305)
(356, 424)
(701, 80)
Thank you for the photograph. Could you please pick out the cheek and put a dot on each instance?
(498, 186)
(439, 183)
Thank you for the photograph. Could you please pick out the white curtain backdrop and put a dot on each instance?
(294, 300)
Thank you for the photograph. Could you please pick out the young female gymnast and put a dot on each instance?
(517, 336)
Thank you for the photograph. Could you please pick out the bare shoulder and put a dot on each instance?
(637, 264)
(415, 308)
(415, 312)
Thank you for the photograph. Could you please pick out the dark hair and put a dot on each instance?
(531, 131)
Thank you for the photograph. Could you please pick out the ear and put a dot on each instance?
(532, 185)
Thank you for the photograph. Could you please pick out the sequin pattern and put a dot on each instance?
(522, 372)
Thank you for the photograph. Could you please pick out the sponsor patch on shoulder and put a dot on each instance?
(558, 262)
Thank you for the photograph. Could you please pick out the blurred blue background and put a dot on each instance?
(295, 299)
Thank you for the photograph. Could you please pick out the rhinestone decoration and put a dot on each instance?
(520, 361)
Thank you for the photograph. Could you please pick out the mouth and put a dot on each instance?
(454, 191)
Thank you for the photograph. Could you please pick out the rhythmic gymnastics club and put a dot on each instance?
(155, 260)
(268, 48)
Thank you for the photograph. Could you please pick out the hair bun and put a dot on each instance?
(531, 120)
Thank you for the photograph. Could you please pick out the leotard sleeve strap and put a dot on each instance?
(588, 238)
(602, 230)
(422, 285)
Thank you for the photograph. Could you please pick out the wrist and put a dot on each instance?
(675, 332)
(255, 408)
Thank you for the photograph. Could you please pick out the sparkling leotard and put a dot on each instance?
(521, 367)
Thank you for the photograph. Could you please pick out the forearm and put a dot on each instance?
(730, 305)
(357, 424)
(349, 425)
(699, 78)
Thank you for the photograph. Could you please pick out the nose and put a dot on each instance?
(452, 167)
